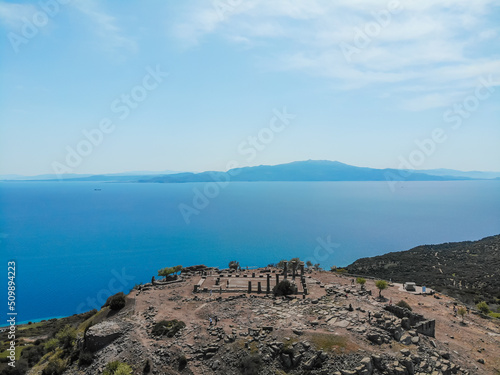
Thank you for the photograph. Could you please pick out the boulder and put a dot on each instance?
(102, 334)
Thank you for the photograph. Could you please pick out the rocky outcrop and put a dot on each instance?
(103, 334)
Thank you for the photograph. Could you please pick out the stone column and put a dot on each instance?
(277, 279)
(253, 274)
(294, 267)
(301, 270)
(259, 287)
(249, 287)
(285, 269)
(268, 286)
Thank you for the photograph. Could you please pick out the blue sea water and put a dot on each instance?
(74, 245)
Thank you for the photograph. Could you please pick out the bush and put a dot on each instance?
(51, 345)
(284, 288)
(182, 362)
(66, 336)
(483, 307)
(251, 364)
(116, 302)
(167, 327)
(147, 367)
(32, 354)
(117, 368)
(86, 358)
(404, 304)
(234, 265)
(54, 367)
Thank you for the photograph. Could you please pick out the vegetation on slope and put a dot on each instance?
(467, 270)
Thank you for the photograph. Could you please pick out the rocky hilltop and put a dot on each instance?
(467, 270)
(210, 321)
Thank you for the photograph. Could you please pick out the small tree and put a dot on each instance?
(316, 267)
(177, 268)
(462, 311)
(281, 263)
(309, 264)
(381, 285)
(361, 281)
(483, 307)
(234, 265)
(166, 271)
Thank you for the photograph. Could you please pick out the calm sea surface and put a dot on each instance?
(74, 245)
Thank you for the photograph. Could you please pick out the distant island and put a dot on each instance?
(309, 170)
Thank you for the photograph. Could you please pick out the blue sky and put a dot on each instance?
(369, 83)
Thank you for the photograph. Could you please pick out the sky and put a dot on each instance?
(106, 86)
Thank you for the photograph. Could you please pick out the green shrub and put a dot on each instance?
(54, 367)
(66, 336)
(404, 304)
(251, 364)
(117, 368)
(483, 307)
(284, 288)
(32, 354)
(167, 327)
(51, 345)
(116, 302)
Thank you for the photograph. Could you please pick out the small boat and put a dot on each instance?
(97, 189)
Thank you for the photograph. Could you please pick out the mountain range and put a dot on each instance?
(310, 170)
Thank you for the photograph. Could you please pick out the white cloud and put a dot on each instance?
(442, 45)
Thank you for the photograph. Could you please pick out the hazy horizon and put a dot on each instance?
(92, 88)
(169, 171)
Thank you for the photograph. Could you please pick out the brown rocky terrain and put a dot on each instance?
(318, 333)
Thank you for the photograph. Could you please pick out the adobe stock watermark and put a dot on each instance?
(249, 148)
(363, 36)
(39, 19)
(117, 283)
(454, 116)
(122, 106)
(224, 7)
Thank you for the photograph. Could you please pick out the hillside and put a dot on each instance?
(310, 170)
(468, 270)
(336, 327)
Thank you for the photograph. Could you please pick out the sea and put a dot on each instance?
(76, 243)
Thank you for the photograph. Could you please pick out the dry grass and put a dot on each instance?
(329, 342)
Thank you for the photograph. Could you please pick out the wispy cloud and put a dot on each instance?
(105, 26)
(440, 46)
(12, 15)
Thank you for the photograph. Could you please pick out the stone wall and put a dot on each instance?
(417, 321)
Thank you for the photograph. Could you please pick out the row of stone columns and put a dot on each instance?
(294, 269)
(259, 285)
